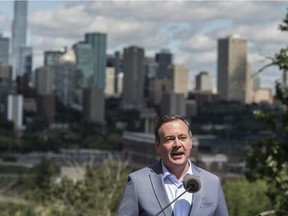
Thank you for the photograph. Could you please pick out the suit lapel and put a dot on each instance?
(159, 189)
(197, 197)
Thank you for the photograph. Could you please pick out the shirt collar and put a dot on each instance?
(166, 172)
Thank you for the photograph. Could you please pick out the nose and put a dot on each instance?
(177, 142)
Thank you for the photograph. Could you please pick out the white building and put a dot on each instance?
(15, 110)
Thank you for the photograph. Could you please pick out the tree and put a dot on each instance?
(98, 194)
(268, 159)
(245, 198)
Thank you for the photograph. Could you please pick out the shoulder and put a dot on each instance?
(146, 171)
(143, 171)
(206, 175)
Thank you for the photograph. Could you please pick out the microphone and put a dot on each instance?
(191, 184)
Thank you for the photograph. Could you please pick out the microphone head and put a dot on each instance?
(192, 183)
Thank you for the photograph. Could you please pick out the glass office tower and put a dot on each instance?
(19, 35)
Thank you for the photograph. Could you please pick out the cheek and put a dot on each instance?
(189, 145)
(162, 149)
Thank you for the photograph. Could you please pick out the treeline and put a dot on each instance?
(39, 193)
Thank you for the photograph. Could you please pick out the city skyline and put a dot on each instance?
(190, 29)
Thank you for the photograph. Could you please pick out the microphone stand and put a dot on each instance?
(162, 210)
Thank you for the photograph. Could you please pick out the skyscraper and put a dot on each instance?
(51, 58)
(94, 73)
(19, 34)
(4, 50)
(44, 77)
(25, 61)
(84, 64)
(179, 75)
(118, 70)
(164, 59)
(233, 70)
(14, 110)
(203, 82)
(99, 44)
(133, 66)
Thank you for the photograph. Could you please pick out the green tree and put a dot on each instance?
(37, 125)
(5, 126)
(44, 172)
(98, 193)
(268, 159)
(245, 198)
(105, 185)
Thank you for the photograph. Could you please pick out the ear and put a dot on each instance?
(156, 143)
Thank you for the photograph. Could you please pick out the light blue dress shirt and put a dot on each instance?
(181, 207)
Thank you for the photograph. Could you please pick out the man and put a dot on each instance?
(150, 190)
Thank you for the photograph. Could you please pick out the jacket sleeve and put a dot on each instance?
(221, 209)
(129, 202)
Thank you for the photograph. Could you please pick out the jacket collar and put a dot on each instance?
(156, 180)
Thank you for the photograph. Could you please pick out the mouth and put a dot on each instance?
(177, 154)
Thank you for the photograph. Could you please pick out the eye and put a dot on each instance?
(169, 139)
(183, 137)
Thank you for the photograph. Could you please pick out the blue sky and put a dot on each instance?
(190, 29)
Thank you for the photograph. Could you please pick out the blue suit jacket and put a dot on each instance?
(145, 194)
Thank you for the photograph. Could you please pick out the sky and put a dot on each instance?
(189, 29)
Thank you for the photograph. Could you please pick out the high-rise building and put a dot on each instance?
(249, 84)
(84, 64)
(110, 78)
(118, 69)
(25, 61)
(44, 77)
(94, 105)
(179, 75)
(164, 59)
(64, 80)
(5, 72)
(203, 82)
(51, 58)
(113, 62)
(7, 86)
(46, 107)
(4, 50)
(93, 97)
(151, 68)
(99, 44)
(15, 110)
(263, 95)
(158, 87)
(172, 103)
(19, 34)
(110, 83)
(234, 73)
(133, 66)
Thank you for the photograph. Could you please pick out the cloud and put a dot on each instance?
(190, 29)
(66, 21)
(198, 43)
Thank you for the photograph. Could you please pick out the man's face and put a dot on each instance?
(175, 144)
